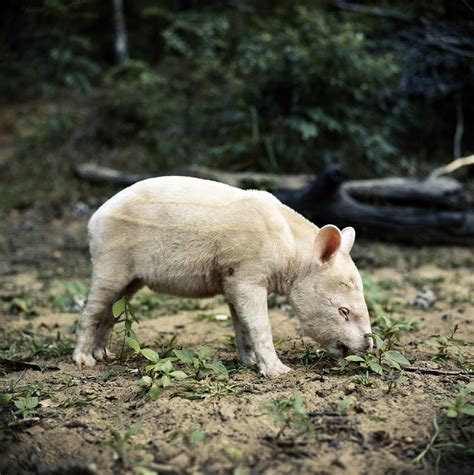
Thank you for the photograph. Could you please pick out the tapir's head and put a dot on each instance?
(328, 295)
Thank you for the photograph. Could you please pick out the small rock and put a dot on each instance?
(409, 440)
(338, 463)
(221, 317)
(226, 413)
(350, 388)
(424, 298)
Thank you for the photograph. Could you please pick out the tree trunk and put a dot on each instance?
(120, 41)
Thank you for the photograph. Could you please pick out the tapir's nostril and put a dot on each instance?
(343, 348)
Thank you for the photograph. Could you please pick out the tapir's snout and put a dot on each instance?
(366, 346)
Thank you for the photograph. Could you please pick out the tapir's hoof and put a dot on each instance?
(100, 354)
(82, 359)
(274, 370)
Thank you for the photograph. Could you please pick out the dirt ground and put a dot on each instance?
(230, 428)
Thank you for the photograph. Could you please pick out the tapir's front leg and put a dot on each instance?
(250, 304)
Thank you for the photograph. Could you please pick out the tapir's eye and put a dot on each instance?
(344, 311)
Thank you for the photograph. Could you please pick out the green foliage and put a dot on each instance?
(26, 344)
(344, 404)
(447, 346)
(73, 297)
(123, 312)
(310, 358)
(289, 412)
(379, 305)
(463, 403)
(26, 406)
(450, 436)
(209, 388)
(203, 363)
(121, 438)
(383, 362)
(20, 305)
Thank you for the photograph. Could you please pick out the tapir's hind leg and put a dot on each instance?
(106, 324)
(105, 289)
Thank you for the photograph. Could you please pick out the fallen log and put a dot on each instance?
(422, 211)
(327, 200)
(439, 193)
(270, 182)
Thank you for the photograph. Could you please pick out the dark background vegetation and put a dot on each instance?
(279, 86)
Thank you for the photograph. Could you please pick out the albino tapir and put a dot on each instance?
(198, 238)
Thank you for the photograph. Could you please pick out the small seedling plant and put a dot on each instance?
(381, 362)
(450, 435)
(203, 363)
(160, 373)
(121, 438)
(123, 312)
(447, 346)
(26, 406)
(289, 412)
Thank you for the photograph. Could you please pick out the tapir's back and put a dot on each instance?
(188, 224)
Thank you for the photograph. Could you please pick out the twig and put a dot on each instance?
(423, 369)
(452, 166)
(323, 413)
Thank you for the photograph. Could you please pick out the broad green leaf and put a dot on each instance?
(375, 367)
(468, 409)
(184, 356)
(392, 363)
(205, 352)
(133, 344)
(146, 381)
(118, 308)
(165, 381)
(150, 354)
(397, 356)
(178, 374)
(5, 399)
(379, 343)
(166, 367)
(451, 412)
(354, 358)
(154, 391)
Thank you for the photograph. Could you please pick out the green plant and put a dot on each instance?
(73, 298)
(379, 304)
(26, 343)
(383, 362)
(166, 346)
(20, 305)
(26, 406)
(344, 404)
(309, 357)
(121, 438)
(160, 373)
(463, 403)
(203, 363)
(124, 312)
(289, 412)
(364, 379)
(447, 346)
(449, 436)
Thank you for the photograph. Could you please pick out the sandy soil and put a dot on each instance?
(232, 430)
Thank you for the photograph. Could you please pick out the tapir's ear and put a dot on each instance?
(348, 238)
(327, 243)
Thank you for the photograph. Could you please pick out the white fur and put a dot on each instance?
(199, 238)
